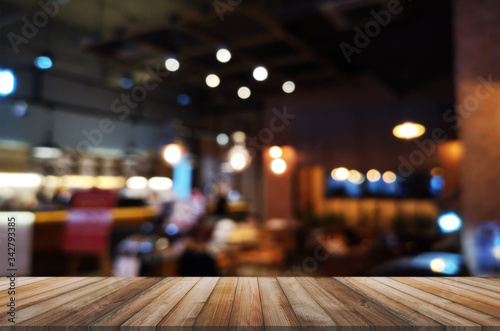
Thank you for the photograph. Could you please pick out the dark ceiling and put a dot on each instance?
(295, 39)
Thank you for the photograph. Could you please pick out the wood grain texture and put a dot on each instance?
(247, 307)
(253, 304)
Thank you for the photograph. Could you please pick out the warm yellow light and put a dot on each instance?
(288, 87)
(137, 183)
(340, 174)
(260, 73)
(212, 80)
(238, 161)
(223, 55)
(278, 166)
(244, 92)
(52, 181)
(373, 175)
(109, 182)
(275, 152)
(172, 154)
(355, 177)
(389, 177)
(160, 183)
(78, 182)
(438, 265)
(408, 130)
(20, 180)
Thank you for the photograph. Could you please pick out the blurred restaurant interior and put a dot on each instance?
(250, 138)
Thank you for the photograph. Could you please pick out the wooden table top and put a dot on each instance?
(288, 303)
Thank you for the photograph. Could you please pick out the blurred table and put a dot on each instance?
(257, 303)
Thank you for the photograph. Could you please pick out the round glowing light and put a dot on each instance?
(449, 222)
(7, 82)
(275, 152)
(223, 55)
(408, 130)
(244, 92)
(340, 174)
(172, 64)
(160, 183)
(389, 177)
(373, 175)
(355, 177)
(278, 166)
(171, 229)
(43, 62)
(437, 265)
(288, 87)
(222, 139)
(238, 161)
(239, 137)
(212, 80)
(137, 183)
(172, 154)
(20, 108)
(260, 73)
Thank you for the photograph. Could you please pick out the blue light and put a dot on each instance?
(7, 82)
(183, 99)
(43, 62)
(233, 195)
(20, 109)
(146, 247)
(449, 222)
(437, 184)
(126, 83)
(171, 229)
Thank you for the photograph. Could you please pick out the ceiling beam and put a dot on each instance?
(280, 32)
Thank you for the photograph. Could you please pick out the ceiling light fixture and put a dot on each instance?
(260, 73)
(244, 92)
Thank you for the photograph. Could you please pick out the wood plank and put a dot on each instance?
(25, 287)
(40, 307)
(216, 313)
(472, 314)
(436, 313)
(247, 308)
(277, 312)
(255, 304)
(410, 315)
(77, 301)
(463, 288)
(308, 311)
(344, 316)
(376, 314)
(37, 301)
(459, 291)
(463, 300)
(184, 314)
(87, 315)
(41, 287)
(152, 313)
(20, 281)
(487, 283)
(128, 309)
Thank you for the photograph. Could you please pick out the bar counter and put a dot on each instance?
(227, 303)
